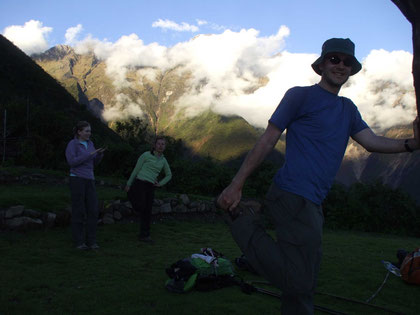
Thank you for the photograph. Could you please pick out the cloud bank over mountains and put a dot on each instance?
(239, 72)
(71, 34)
(32, 37)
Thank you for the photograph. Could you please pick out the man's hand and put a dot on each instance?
(230, 197)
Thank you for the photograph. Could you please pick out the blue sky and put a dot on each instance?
(371, 24)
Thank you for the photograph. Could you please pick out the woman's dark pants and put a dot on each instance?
(84, 212)
(141, 195)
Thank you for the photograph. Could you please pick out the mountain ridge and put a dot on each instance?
(151, 94)
(210, 134)
(41, 114)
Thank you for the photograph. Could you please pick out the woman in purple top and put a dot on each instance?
(82, 156)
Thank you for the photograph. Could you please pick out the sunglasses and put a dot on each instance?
(335, 60)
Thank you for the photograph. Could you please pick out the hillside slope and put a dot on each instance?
(40, 113)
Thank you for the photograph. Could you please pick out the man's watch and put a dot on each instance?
(407, 147)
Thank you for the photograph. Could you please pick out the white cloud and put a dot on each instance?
(217, 27)
(171, 25)
(123, 109)
(101, 49)
(231, 64)
(126, 53)
(383, 90)
(71, 34)
(201, 22)
(210, 25)
(149, 74)
(242, 73)
(31, 37)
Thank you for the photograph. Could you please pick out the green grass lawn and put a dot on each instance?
(43, 274)
(54, 198)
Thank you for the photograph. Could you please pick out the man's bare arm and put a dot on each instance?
(231, 196)
(373, 143)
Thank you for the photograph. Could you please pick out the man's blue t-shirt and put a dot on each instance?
(319, 124)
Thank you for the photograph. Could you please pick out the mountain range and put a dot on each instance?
(152, 94)
(208, 133)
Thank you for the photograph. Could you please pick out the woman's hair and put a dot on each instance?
(80, 126)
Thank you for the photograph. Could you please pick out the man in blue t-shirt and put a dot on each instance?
(319, 124)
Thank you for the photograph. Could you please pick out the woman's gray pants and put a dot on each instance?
(292, 262)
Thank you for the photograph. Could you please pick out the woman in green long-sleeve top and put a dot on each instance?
(143, 181)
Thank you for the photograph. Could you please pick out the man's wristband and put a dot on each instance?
(407, 147)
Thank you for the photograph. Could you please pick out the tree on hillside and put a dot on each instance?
(411, 10)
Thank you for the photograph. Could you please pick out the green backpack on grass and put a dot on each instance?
(206, 271)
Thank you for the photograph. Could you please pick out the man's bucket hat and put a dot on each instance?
(338, 45)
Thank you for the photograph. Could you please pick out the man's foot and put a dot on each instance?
(146, 239)
(94, 246)
(82, 247)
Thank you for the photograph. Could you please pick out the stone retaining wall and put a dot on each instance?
(19, 218)
(22, 219)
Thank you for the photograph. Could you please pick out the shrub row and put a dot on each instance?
(372, 208)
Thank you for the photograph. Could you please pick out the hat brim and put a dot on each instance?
(356, 67)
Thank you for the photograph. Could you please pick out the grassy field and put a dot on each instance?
(41, 273)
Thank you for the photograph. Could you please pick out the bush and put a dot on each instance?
(201, 177)
(372, 208)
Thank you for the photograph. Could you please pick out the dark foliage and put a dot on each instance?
(133, 131)
(208, 177)
(372, 208)
(201, 176)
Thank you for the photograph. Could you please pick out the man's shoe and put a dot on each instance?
(94, 246)
(82, 247)
(146, 239)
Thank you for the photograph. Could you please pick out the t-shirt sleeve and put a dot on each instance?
(358, 123)
(288, 108)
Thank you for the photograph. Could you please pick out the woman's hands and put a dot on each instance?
(100, 150)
